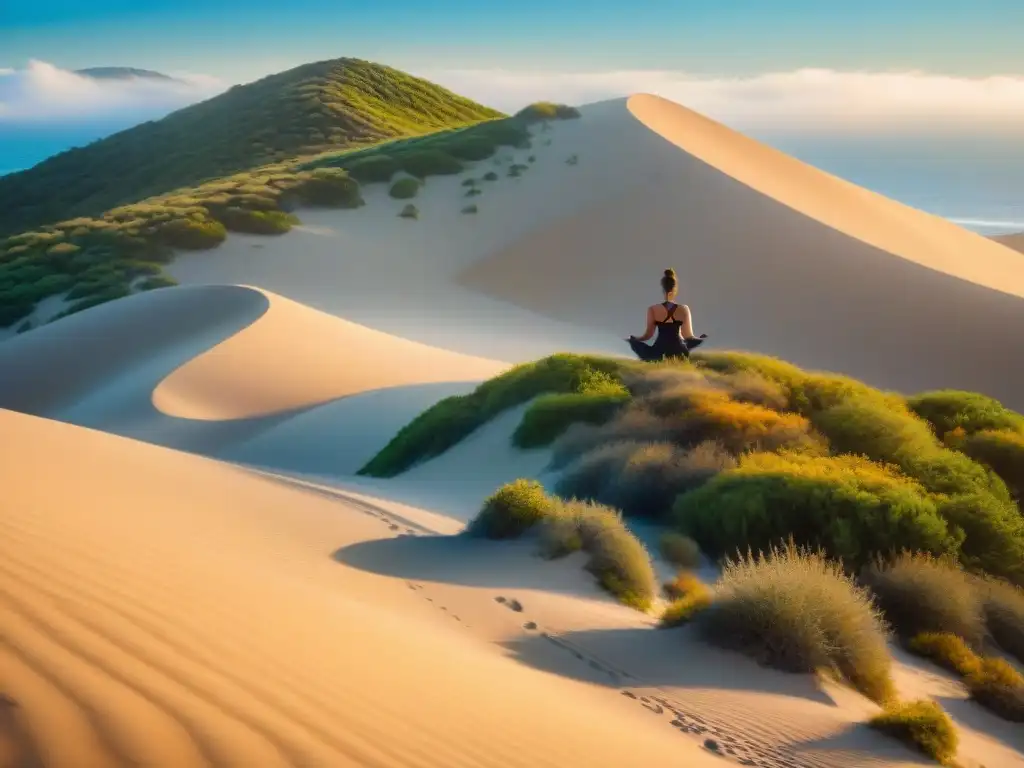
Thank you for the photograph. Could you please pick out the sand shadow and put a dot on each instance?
(972, 715)
(859, 740)
(459, 559)
(663, 658)
(17, 747)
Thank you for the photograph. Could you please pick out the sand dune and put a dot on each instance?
(237, 620)
(774, 256)
(161, 609)
(223, 370)
(1015, 241)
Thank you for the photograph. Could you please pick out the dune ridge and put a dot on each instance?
(773, 256)
(222, 370)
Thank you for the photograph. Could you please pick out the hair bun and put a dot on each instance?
(670, 273)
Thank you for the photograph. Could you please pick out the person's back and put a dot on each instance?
(672, 323)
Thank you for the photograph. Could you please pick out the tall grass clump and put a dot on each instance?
(918, 593)
(642, 478)
(615, 557)
(795, 610)
(1003, 606)
(511, 510)
(851, 507)
(440, 427)
(998, 687)
(922, 725)
(688, 597)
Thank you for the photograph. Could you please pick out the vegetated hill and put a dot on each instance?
(121, 73)
(92, 260)
(306, 110)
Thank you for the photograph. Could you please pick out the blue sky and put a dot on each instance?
(242, 40)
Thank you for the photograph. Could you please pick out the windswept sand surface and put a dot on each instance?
(161, 609)
(232, 371)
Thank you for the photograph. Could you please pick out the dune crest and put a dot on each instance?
(296, 357)
(855, 211)
(774, 256)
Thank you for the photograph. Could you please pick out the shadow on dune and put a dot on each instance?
(672, 658)
(973, 716)
(656, 657)
(457, 560)
(860, 741)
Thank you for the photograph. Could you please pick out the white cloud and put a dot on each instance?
(42, 92)
(812, 99)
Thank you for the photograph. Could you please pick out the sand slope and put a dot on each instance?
(774, 256)
(151, 621)
(235, 620)
(223, 370)
(1015, 241)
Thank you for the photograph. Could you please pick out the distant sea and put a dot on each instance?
(977, 182)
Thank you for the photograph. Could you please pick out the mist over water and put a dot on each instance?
(976, 181)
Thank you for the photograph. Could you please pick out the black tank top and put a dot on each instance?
(668, 338)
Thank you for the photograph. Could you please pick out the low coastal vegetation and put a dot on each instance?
(115, 253)
(323, 106)
(841, 516)
(922, 725)
(615, 557)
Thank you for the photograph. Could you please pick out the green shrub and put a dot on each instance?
(490, 176)
(998, 687)
(918, 593)
(690, 597)
(797, 611)
(852, 507)
(473, 192)
(1003, 451)
(1003, 605)
(616, 557)
(701, 414)
(546, 110)
(870, 427)
(469, 182)
(11, 312)
(681, 551)
(372, 168)
(158, 281)
(947, 650)
(993, 532)
(511, 510)
(192, 235)
(328, 187)
(449, 421)
(550, 415)
(923, 725)
(257, 222)
(470, 208)
(430, 162)
(404, 188)
(949, 409)
(409, 211)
